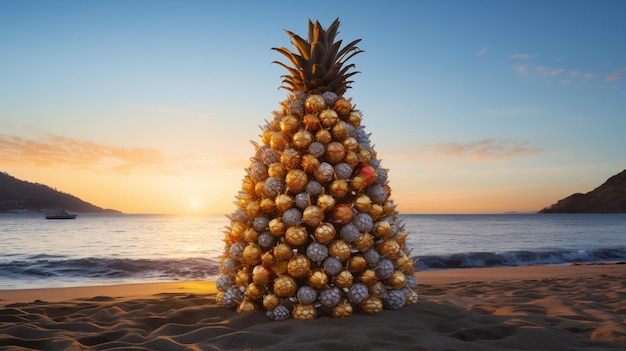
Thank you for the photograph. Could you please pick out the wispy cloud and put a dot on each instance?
(522, 69)
(590, 75)
(521, 56)
(482, 52)
(49, 150)
(481, 151)
(615, 75)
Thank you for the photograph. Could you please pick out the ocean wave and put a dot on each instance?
(109, 268)
(519, 258)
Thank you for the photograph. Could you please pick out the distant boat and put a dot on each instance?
(61, 213)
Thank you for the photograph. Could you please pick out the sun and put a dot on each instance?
(195, 205)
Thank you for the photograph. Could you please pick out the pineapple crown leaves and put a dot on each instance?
(318, 63)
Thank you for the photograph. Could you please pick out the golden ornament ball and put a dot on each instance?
(282, 252)
(371, 305)
(259, 191)
(318, 279)
(342, 106)
(382, 229)
(248, 184)
(364, 155)
(364, 242)
(339, 131)
(339, 188)
(296, 180)
(315, 103)
(357, 264)
(389, 248)
(278, 140)
(304, 312)
(325, 202)
(251, 235)
(285, 286)
(351, 144)
(339, 249)
(323, 136)
(335, 152)
(219, 298)
(246, 306)
(270, 301)
(252, 254)
(351, 158)
(310, 163)
(389, 208)
(276, 170)
(405, 264)
(283, 202)
(354, 119)
(290, 158)
(242, 278)
(268, 205)
(312, 216)
(397, 280)
(261, 275)
(289, 124)
(343, 279)
(243, 197)
(328, 118)
(325, 232)
(376, 211)
(267, 259)
(302, 139)
(279, 267)
(253, 209)
(357, 183)
(266, 136)
(296, 236)
(253, 291)
(312, 122)
(363, 203)
(342, 310)
(368, 277)
(238, 230)
(277, 227)
(299, 266)
(342, 214)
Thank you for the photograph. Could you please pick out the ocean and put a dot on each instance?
(104, 249)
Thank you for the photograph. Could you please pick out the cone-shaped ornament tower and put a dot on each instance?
(315, 231)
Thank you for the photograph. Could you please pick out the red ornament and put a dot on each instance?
(369, 174)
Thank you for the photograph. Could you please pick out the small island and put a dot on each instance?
(21, 196)
(609, 197)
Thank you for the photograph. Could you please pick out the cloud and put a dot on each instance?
(521, 56)
(482, 52)
(615, 75)
(482, 151)
(556, 71)
(590, 75)
(49, 150)
(521, 69)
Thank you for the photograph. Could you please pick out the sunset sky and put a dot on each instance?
(473, 106)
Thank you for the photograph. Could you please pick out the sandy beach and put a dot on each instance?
(576, 307)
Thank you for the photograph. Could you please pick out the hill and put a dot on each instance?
(609, 197)
(19, 195)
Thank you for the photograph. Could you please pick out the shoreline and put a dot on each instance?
(573, 307)
(429, 277)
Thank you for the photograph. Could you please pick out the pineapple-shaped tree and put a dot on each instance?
(315, 230)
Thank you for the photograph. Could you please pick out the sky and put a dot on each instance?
(473, 106)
